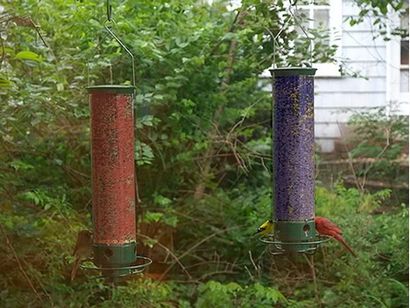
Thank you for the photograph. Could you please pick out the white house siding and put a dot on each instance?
(339, 97)
(377, 63)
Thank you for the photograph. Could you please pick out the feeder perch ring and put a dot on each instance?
(132, 269)
(320, 239)
(307, 247)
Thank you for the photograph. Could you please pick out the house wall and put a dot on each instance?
(337, 98)
(374, 60)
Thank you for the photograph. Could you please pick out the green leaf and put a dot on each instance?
(161, 200)
(153, 216)
(4, 83)
(150, 242)
(171, 220)
(31, 196)
(21, 165)
(143, 154)
(147, 120)
(60, 87)
(28, 55)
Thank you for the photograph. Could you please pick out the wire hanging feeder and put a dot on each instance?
(140, 262)
(309, 244)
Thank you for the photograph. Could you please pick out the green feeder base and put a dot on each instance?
(294, 237)
(115, 256)
(115, 261)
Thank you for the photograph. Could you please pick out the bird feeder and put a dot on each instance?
(293, 160)
(293, 156)
(114, 188)
(113, 179)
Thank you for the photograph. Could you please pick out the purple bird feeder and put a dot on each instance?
(293, 155)
(293, 138)
(293, 161)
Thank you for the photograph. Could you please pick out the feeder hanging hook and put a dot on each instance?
(109, 10)
(117, 39)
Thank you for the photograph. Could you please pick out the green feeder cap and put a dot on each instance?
(293, 71)
(112, 89)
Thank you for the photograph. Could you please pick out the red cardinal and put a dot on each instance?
(325, 227)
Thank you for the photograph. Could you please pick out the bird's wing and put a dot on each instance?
(331, 226)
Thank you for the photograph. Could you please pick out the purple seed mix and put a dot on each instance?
(293, 142)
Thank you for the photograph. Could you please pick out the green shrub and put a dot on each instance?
(215, 294)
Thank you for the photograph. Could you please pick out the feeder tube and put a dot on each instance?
(113, 178)
(293, 140)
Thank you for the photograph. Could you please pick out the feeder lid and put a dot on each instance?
(111, 89)
(293, 71)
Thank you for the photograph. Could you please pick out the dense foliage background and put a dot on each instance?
(203, 121)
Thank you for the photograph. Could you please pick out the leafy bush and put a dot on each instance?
(382, 139)
(203, 159)
(215, 294)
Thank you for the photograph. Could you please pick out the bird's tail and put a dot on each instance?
(75, 267)
(343, 242)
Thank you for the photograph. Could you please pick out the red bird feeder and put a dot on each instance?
(112, 138)
(113, 177)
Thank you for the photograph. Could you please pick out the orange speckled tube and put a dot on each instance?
(113, 176)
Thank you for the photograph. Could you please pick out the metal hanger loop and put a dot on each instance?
(108, 26)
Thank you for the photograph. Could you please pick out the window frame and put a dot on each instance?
(393, 68)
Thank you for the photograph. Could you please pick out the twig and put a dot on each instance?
(19, 264)
(257, 268)
(378, 184)
(42, 287)
(363, 160)
(206, 262)
(323, 251)
(231, 29)
(387, 145)
(249, 272)
(206, 275)
(312, 268)
(206, 170)
(196, 245)
(37, 28)
(170, 253)
(3, 52)
(233, 145)
(350, 160)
